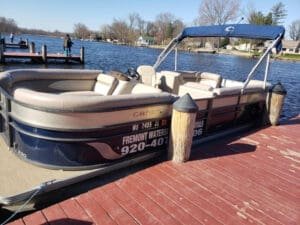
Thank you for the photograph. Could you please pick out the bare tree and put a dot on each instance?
(279, 13)
(177, 27)
(121, 30)
(105, 32)
(294, 30)
(81, 31)
(136, 23)
(218, 11)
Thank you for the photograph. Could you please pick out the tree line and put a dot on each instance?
(166, 25)
(9, 25)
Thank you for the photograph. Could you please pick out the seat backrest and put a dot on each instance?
(169, 81)
(195, 92)
(212, 79)
(147, 74)
(227, 91)
(124, 87)
(105, 84)
(144, 89)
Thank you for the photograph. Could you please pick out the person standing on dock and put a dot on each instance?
(67, 45)
(12, 36)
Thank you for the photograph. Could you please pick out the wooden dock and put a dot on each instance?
(250, 179)
(41, 57)
(23, 45)
(15, 45)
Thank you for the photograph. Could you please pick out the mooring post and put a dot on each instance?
(182, 128)
(275, 103)
(44, 53)
(31, 47)
(82, 55)
(2, 59)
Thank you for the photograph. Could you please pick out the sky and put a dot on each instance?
(63, 14)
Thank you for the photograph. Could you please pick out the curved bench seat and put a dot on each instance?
(81, 119)
(78, 101)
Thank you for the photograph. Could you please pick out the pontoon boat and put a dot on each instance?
(93, 122)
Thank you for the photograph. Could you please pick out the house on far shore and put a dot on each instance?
(290, 46)
(144, 41)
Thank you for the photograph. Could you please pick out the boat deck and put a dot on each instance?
(250, 179)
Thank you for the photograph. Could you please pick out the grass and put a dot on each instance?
(289, 56)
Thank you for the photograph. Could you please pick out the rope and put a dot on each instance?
(25, 203)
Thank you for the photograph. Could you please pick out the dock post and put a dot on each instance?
(182, 129)
(82, 55)
(275, 103)
(31, 47)
(2, 59)
(44, 53)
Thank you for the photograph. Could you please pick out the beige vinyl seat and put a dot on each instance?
(230, 87)
(147, 74)
(77, 90)
(169, 81)
(105, 84)
(204, 78)
(194, 91)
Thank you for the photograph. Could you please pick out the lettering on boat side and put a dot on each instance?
(198, 130)
(147, 113)
(139, 142)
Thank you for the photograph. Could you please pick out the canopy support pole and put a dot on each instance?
(250, 75)
(267, 70)
(176, 59)
(166, 52)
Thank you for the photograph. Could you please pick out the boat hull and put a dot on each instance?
(77, 150)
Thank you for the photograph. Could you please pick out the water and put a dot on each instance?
(108, 57)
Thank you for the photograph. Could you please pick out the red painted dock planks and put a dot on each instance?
(254, 179)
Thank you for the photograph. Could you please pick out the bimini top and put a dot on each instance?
(248, 31)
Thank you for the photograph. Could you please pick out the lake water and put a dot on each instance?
(108, 57)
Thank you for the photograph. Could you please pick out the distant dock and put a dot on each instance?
(40, 57)
(15, 45)
(22, 44)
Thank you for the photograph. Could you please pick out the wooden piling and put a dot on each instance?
(182, 129)
(82, 55)
(44, 53)
(32, 47)
(275, 103)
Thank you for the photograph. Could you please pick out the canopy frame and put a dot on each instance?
(175, 42)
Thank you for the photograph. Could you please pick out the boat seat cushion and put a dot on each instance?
(147, 74)
(195, 92)
(211, 79)
(169, 81)
(81, 93)
(124, 87)
(199, 86)
(143, 89)
(56, 86)
(79, 102)
(227, 91)
(105, 84)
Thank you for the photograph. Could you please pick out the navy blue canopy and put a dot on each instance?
(248, 31)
